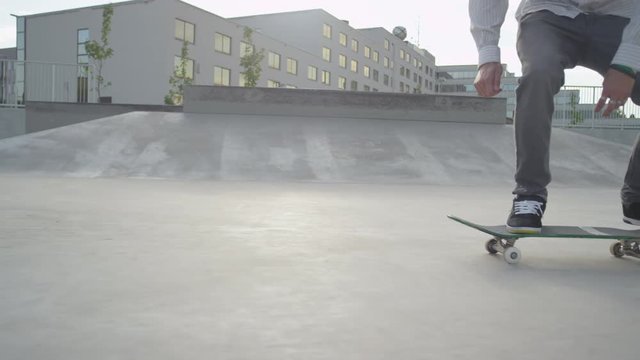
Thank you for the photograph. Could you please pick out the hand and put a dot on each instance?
(616, 88)
(487, 81)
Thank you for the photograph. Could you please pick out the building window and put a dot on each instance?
(342, 83)
(274, 60)
(376, 56)
(376, 75)
(402, 54)
(242, 80)
(342, 61)
(221, 76)
(222, 44)
(366, 71)
(386, 44)
(292, 66)
(83, 59)
(386, 80)
(326, 77)
(326, 54)
(83, 39)
(354, 66)
(386, 62)
(185, 31)
(343, 39)
(367, 88)
(354, 45)
(185, 71)
(20, 46)
(312, 73)
(367, 52)
(273, 84)
(354, 85)
(326, 31)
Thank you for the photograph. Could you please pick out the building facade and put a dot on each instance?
(359, 59)
(459, 79)
(306, 49)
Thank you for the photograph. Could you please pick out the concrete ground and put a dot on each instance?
(183, 269)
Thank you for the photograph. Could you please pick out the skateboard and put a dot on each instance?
(627, 241)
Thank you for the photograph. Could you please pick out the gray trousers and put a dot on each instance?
(547, 45)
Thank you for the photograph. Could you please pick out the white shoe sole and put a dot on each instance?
(523, 230)
(631, 221)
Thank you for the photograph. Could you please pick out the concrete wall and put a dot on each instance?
(44, 116)
(331, 104)
(12, 122)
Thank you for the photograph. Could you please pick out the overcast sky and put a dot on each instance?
(441, 27)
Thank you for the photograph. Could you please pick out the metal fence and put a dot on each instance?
(575, 108)
(22, 81)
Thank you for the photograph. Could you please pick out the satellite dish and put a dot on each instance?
(400, 32)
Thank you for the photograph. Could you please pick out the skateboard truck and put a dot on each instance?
(625, 247)
(506, 247)
(512, 254)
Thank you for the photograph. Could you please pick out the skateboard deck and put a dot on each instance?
(503, 241)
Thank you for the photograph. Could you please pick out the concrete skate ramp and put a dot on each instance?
(263, 148)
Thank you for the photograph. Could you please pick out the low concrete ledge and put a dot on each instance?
(343, 104)
(49, 115)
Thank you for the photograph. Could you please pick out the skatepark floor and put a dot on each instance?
(94, 268)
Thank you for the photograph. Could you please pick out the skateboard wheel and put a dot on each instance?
(512, 255)
(490, 245)
(616, 249)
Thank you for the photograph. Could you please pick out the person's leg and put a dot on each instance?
(547, 45)
(605, 35)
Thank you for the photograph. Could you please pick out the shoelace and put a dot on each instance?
(524, 207)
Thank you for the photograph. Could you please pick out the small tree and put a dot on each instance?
(250, 60)
(576, 116)
(99, 52)
(179, 78)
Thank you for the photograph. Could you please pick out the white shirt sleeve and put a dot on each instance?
(487, 17)
(629, 51)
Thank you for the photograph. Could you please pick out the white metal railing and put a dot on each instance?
(575, 107)
(22, 81)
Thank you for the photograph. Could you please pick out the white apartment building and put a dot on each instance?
(306, 49)
(360, 59)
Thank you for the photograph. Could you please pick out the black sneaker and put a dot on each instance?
(631, 213)
(526, 215)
